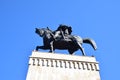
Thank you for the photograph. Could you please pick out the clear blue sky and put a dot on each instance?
(97, 19)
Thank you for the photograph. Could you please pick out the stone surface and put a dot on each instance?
(49, 66)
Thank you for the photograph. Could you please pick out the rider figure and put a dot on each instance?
(63, 31)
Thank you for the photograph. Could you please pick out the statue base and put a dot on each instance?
(50, 66)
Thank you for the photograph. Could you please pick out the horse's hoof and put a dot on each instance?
(83, 55)
(51, 52)
(35, 50)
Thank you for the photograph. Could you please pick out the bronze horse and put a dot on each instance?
(72, 43)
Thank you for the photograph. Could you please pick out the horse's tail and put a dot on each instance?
(91, 42)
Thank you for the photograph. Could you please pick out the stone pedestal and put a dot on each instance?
(50, 66)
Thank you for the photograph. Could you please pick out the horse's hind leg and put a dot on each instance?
(82, 49)
(71, 51)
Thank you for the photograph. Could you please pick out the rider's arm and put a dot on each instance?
(62, 34)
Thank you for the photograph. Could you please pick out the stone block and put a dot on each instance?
(54, 66)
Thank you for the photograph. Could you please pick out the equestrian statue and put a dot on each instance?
(63, 40)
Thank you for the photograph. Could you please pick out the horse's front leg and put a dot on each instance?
(51, 47)
(40, 47)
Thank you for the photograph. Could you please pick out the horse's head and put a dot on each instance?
(40, 32)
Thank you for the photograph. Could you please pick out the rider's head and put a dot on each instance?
(65, 28)
(70, 30)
